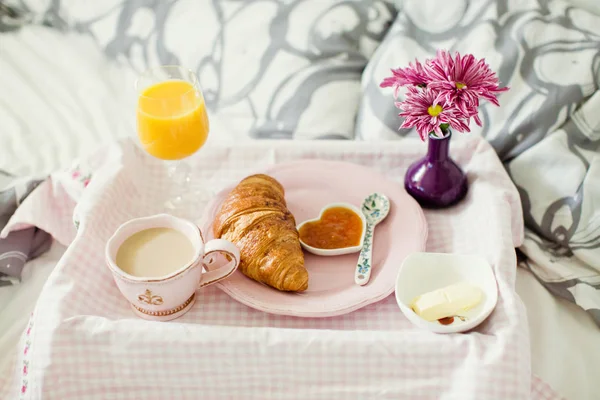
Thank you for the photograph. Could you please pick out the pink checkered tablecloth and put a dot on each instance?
(83, 341)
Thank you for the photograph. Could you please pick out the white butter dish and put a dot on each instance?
(425, 272)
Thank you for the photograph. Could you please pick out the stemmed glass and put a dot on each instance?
(172, 125)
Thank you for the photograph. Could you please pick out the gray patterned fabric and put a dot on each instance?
(547, 130)
(270, 68)
(16, 13)
(18, 246)
(11, 18)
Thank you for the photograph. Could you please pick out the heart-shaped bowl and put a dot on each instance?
(343, 250)
(424, 272)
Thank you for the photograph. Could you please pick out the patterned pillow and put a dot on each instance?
(268, 68)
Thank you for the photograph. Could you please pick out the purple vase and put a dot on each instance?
(435, 181)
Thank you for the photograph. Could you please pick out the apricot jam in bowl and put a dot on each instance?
(339, 229)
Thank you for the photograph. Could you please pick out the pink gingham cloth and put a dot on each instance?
(83, 341)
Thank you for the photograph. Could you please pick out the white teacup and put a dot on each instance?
(168, 297)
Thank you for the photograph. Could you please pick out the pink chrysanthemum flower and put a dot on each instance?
(462, 81)
(413, 75)
(425, 110)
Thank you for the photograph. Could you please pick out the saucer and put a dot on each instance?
(424, 272)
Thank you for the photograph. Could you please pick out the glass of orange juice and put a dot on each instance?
(172, 124)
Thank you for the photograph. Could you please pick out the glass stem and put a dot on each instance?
(180, 178)
(180, 172)
(186, 198)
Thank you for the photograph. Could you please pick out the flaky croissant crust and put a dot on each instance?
(254, 216)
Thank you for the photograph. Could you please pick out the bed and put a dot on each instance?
(73, 107)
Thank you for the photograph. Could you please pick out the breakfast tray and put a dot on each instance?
(84, 342)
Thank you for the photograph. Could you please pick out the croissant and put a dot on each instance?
(254, 216)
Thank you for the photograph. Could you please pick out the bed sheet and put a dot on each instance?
(564, 341)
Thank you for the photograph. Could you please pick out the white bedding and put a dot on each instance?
(565, 341)
(70, 106)
(63, 110)
(18, 301)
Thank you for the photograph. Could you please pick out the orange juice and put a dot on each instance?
(172, 120)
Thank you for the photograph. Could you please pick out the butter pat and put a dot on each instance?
(447, 302)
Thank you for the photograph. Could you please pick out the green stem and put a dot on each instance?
(444, 128)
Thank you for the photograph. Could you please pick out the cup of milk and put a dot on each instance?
(158, 264)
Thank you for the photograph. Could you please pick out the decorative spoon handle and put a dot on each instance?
(363, 268)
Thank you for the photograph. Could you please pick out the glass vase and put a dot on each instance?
(436, 181)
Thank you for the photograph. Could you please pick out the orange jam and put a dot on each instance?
(338, 227)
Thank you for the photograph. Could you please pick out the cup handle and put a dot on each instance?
(228, 249)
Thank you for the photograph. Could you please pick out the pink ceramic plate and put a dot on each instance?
(310, 185)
